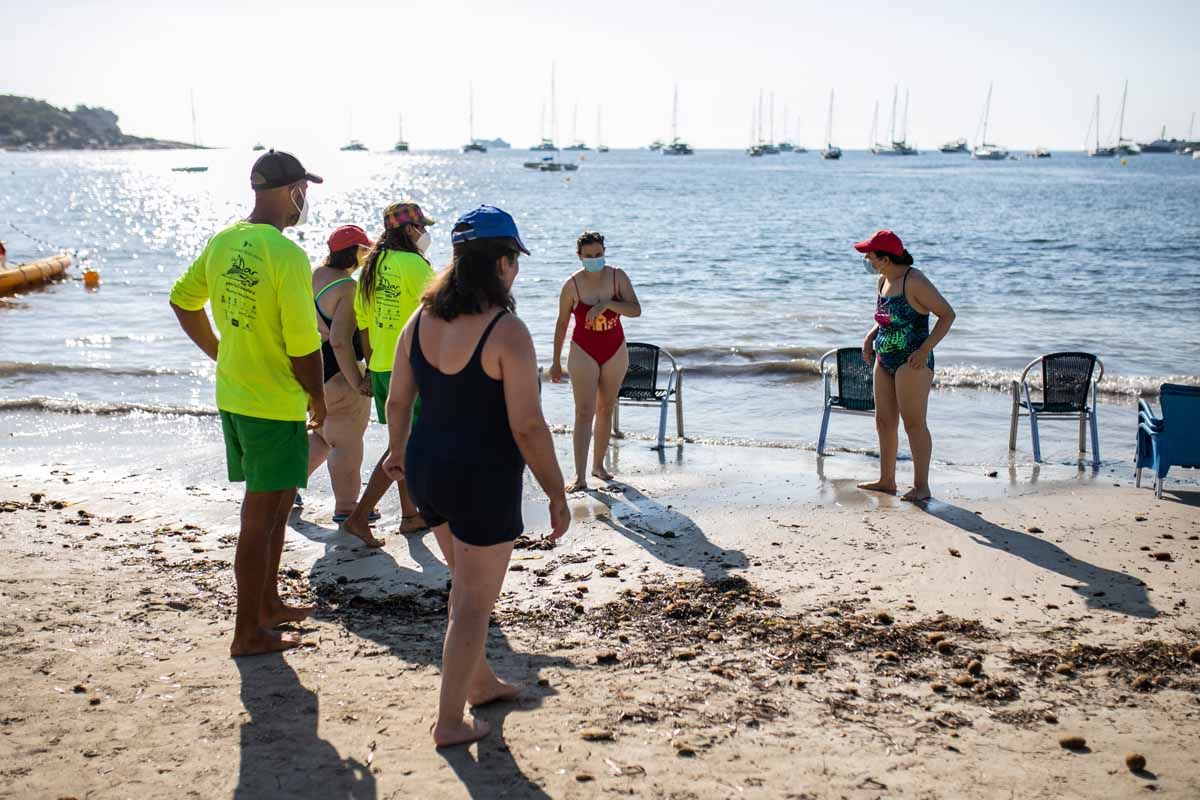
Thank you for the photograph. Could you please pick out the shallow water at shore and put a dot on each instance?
(743, 267)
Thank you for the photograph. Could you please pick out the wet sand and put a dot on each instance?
(725, 622)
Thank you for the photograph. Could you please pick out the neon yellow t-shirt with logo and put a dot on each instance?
(260, 285)
(400, 280)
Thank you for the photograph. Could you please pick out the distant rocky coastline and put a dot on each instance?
(30, 124)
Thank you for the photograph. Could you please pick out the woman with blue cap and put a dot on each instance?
(473, 364)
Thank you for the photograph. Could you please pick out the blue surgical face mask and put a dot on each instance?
(593, 264)
(867, 266)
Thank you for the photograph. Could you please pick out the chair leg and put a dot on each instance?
(1095, 437)
(1037, 441)
(1012, 426)
(1083, 418)
(679, 403)
(824, 430)
(1158, 484)
(662, 424)
(616, 430)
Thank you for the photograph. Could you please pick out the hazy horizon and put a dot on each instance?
(308, 77)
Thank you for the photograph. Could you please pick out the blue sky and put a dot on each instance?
(294, 74)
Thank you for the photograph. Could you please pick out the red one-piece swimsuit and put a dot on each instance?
(604, 336)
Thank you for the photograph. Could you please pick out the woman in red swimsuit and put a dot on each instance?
(597, 296)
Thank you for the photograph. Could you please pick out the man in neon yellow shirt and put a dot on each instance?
(269, 376)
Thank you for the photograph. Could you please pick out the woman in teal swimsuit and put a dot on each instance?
(900, 345)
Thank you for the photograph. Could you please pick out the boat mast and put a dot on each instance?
(904, 130)
(575, 124)
(471, 113)
(400, 127)
(772, 141)
(759, 134)
(829, 123)
(875, 127)
(553, 108)
(1121, 122)
(1097, 122)
(987, 110)
(599, 127)
(892, 130)
(675, 116)
(195, 138)
(785, 121)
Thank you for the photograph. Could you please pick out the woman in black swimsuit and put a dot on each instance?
(474, 366)
(339, 441)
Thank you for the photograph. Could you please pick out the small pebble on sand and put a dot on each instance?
(1072, 743)
(1034, 529)
(1194, 655)
(596, 735)
(1135, 761)
(964, 680)
(945, 646)
(975, 667)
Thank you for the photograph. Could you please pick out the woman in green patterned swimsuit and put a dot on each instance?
(900, 345)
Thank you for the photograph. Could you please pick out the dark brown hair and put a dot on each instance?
(390, 239)
(346, 258)
(588, 237)
(471, 283)
(905, 260)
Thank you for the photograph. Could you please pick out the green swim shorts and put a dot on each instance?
(379, 388)
(270, 455)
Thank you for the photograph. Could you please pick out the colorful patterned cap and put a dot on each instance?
(404, 213)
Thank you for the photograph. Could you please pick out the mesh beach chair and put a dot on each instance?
(1068, 392)
(1172, 440)
(855, 387)
(644, 386)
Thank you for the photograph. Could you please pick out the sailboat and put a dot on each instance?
(1189, 145)
(1098, 151)
(576, 144)
(755, 149)
(195, 138)
(831, 152)
(472, 146)
(677, 147)
(957, 146)
(896, 147)
(547, 145)
(354, 146)
(601, 147)
(984, 151)
(785, 145)
(401, 146)
(258, 146)
(1126, 147)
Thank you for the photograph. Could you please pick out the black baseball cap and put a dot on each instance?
(276, 168)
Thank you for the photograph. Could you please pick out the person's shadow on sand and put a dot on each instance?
(394, 597)
(282, 734)
(665, 533)
(1100, 587)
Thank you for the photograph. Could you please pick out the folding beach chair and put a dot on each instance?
(643, 386)
(855, 387)
(1068, 392)
(1172, 440)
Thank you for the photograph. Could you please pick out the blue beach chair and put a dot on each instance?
(1172, 440)
(1068, 391)
(855, 387)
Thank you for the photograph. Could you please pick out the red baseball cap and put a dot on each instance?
(881, 242)
(348, 236)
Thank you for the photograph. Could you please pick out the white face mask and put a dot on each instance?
(302, 208)
(870, 270)
(423, 241)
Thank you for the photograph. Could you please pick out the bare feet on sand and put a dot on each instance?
(281, 614)
(494, 691)
(917, 494)
(362, 534)
(459, 732)
(413, 523)
(602, 473)
(263, 641)
(879, 486)
(577, 485)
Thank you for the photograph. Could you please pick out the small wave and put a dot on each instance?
(747, 353)
(61, 406)
(8, 368)
(1115, 386)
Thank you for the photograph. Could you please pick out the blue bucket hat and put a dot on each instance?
(487, 222)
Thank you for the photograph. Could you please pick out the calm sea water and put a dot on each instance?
(743, 266)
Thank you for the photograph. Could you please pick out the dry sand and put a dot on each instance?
(730, 623)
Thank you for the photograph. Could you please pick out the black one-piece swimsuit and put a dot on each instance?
(462, 464)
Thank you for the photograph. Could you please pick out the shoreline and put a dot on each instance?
(788, 679)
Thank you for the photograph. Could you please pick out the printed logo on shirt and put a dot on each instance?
(387, 288)
(239, 272)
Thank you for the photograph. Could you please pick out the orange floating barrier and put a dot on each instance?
(35, 273)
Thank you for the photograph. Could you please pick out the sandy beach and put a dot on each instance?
(726, 622)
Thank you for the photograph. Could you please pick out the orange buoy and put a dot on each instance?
(91, 279)
(35, 273)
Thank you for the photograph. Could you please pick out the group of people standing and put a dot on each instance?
(453, 374)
